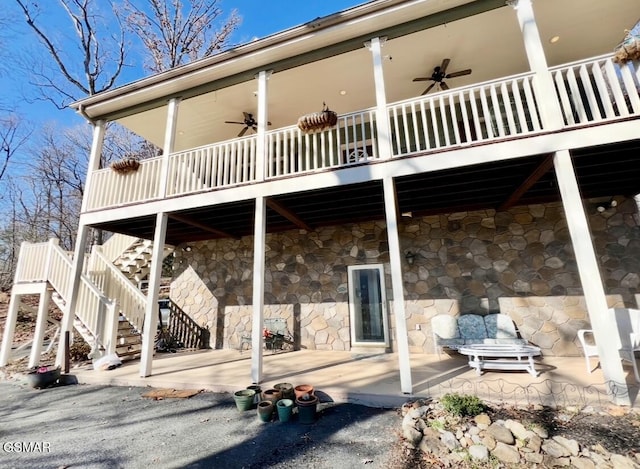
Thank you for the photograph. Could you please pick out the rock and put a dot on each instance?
(518, 429)
(534, 443)
(506, 453)
(412, 435)
(479, 452)
(431, 443)
(616, 411)
(533, 458)
(489, 442)
(540, 431)
(622, 462)
(482, 420)
(582, 463)
(555, 449)
(571, 445)
(450, 440)
(501, 433)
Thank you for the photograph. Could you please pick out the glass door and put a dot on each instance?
(368, 305)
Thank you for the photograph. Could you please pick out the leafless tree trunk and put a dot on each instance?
(176, 32)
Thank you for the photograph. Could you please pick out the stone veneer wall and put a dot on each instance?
(519, 262)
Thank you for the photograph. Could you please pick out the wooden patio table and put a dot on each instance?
(501, 357)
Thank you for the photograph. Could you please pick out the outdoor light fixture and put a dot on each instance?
(187, 248)
(410, 257)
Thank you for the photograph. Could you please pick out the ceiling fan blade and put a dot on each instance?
(243, 131)
(233, 122)
(444, 86)
(459, 74)
(445, 64)
(423, 79)
(247, 116)
(428, 89)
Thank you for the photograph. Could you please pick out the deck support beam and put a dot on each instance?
(169, 143)
(604, 328)
(545, 90)
(382, 116)
(151, 308)
(402, 338)
(41, 325)
(74, 288)
(259, 242)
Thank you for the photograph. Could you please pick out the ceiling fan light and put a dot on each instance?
(554, 39)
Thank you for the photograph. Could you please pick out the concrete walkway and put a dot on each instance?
(371, 380)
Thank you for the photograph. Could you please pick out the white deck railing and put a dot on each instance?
(110, 189)
(352, 140)
(590, 91)
(597, 90)
(489, 111)
(212, 166)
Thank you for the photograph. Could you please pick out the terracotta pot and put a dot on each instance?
(272, 395)
(258, 392)
(303, 389)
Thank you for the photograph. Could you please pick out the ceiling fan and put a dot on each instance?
(249, 123)
(439, 74)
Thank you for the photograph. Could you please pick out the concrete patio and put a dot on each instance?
(371, 380)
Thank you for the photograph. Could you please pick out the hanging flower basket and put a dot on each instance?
(126, 165)
(318, 121)
(629, 48)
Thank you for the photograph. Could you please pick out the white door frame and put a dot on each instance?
(352, 305)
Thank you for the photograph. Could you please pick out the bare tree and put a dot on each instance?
(13, 135)
(177, 32)
(99, 51)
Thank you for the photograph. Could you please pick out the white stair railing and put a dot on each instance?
(130, 301)
(92, 307)
(116, 245)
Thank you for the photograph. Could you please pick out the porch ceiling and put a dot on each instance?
(341, 74)
(603, 171)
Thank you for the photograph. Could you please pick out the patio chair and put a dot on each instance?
(627, 342)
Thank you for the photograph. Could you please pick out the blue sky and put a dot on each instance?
(259, 19)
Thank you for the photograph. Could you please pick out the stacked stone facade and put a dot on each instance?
(518, 262)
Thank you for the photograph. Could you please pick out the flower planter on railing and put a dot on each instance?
(125, 166)
(318, 121)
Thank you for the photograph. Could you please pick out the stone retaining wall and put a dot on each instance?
(519, 262)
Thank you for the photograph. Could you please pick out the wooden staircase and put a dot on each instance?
(129, 342)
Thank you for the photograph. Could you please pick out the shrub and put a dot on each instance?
(462, 405)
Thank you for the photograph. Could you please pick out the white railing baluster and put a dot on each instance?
(504, 91)
(434, 123)
(626, 72)
(591, 96)
(565, 102)
(465, 118)
(531, 104)
(476, 115)
(601, 88)
(454, 119)
(444, 121)
(613, 84)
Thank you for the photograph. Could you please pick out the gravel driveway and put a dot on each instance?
(99, 426)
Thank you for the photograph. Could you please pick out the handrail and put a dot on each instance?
(116, 285)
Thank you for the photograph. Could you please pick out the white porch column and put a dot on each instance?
(604, 328)
(151, 308)
(382, 117)
(94, 158)
(169, 142)
(402, 338)
(261, 117)
(546, 93)
(71, 296)
(41, 326)
(9, 329)
(259, 240)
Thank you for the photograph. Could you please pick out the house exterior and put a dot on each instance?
(483, 159)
